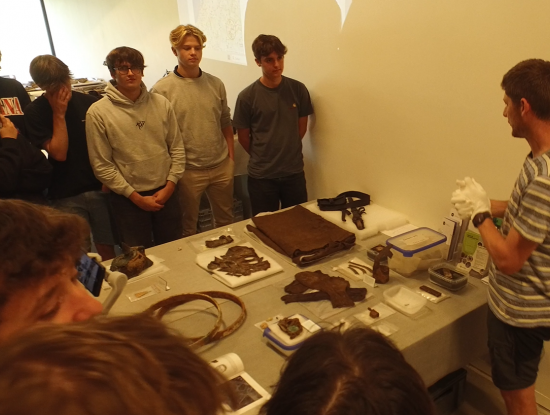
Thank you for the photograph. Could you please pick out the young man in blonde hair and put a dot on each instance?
(200, 103)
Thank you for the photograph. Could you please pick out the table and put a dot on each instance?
(446, 337)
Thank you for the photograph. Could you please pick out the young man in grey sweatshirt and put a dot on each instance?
(136, 150)
(200, 103)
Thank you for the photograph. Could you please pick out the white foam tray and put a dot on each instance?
(205, 258)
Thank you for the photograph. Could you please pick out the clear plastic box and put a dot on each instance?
(416, 250)
(448, 276)
(275, 336)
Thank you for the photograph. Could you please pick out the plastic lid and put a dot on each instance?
(417, 240)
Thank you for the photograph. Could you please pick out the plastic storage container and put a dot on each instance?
(448, 276)
(281, 341)
(416, 250)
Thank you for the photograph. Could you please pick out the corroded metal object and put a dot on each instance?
(355, 213)
(291, 326)
(356, 294)
(132, 262)
(381, 273)
(335, 289)
(239, 261)
(222, 240)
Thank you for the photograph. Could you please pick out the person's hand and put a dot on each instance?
(8, 130)
(59, 99)
(464, 208)
(147, 203)
(165, 193)
(470, 198)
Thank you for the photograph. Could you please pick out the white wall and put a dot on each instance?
(407, 94)
(84, 32)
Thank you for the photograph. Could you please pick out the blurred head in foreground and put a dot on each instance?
(355, 372)
(107, 366)
(39, 250)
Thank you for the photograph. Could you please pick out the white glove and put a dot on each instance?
(464, 208)
(470, 198)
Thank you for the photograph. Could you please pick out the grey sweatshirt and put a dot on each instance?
(201, 108)
(134, 146)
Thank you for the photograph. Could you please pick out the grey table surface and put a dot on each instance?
(441, 338)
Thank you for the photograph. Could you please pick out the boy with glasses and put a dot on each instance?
(136, 150)
(200, 103)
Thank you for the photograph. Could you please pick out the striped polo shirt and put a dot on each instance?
(523, 299)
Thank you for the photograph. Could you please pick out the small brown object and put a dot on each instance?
(335, 287)
(356, 294)
(354, 271)
(295, 287)
(222, 240)
(381, 273)
(239, 261)
(361, 266)
(132, 262)
(430, 290)
(291, 326)
(447, 273)
(373, 313)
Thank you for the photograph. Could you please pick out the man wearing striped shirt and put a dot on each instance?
(519, 280)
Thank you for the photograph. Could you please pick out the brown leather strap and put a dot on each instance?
(160, 308)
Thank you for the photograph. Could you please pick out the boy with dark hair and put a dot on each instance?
(518, 320)
(55, 123)
(271, 118)
(136, 150)
(39, 247)
(355, 372)
(200, 103)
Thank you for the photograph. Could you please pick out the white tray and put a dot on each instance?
(205, 258)
(376, 219)
(403, 299)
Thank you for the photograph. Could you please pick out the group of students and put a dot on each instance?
(59, 356)
(135, 163)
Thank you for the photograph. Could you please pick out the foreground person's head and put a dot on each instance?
(107, 366)
(355, 372)
(39, 248)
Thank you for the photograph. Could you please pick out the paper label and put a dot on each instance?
(414, 239)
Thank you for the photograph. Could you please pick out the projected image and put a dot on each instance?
(223, 23)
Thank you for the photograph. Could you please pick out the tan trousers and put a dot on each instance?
(218, 184)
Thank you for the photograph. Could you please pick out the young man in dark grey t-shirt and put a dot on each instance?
(271, 118)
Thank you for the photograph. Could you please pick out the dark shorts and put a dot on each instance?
(515, 353)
